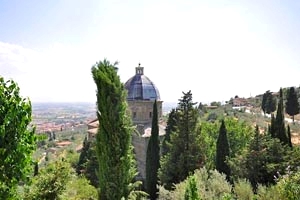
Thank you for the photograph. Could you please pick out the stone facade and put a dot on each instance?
(141, 111)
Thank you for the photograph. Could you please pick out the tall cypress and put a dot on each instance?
(280, 124)
(289, 136)
(113, 140)
(292, 104)
(152, 159)
(222, 151)
(272, 127)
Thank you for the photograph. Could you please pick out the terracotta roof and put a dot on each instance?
(93, 124)
(93, 131)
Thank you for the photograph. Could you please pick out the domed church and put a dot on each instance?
(141, 94)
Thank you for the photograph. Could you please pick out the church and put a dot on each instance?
(141, 94)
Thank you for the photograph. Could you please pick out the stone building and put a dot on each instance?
(141, 94)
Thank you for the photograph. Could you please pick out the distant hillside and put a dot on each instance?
(167, 106)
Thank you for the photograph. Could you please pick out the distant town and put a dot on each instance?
(55, 117)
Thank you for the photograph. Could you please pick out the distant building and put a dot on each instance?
(141, 94)
(239, 102)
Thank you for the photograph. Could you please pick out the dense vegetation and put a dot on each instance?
(208, 152)
(17, 140)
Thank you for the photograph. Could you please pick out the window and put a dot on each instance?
(134, 114)
(150, 115)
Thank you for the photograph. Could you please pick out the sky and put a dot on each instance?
(215, 48)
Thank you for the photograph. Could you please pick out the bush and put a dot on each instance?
(79, 188)
(212, 185)
(243, 190)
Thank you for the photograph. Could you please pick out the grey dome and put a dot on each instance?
(140, 87)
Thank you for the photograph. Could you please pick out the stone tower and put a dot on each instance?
(141, 94)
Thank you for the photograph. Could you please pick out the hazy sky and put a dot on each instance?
(216, 49)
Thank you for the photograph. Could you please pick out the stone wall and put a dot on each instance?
(141, 111)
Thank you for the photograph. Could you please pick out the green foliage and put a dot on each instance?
(171, 127)
(292, 104)
(79, 188)
(50, 183)
(212, 117)
(243, 190)
(191, 191)
(268, 102)
(113, 140)
(208, 137)
(209, 185)
(289, 136)
(264, 158)
(215, 103)
(267, 192)
(272, 127)
(289, 186)
(185, 151)
(280, 132)
(152, 158)
(72, 158)
(239, 133)
(17, 140)
(222, 151)
(88, 164)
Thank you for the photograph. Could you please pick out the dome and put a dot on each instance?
(140, 87)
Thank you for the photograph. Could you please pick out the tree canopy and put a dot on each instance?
(17, 139)
(185, 153)
(268, 102)
(292, 104)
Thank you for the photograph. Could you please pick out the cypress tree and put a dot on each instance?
(268, 103)
(113, 140)
(263, 103)
(222, 151)
(152, 159)
(292, 103)
(272, 127)
(280, 124)
(289, 136)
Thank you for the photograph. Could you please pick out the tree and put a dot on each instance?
(272, 127)
(113, 140)
(289, 136)
(280, 124)
(185, 150)
(51, 181)
(292, 104)
(222, 151)
(171, 127)
(17, 140)
(88, 163)
(255, 159)
(268, 103)
(152, 158)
